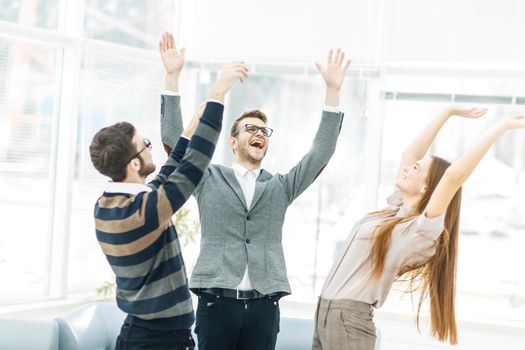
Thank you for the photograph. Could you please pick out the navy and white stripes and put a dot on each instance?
(138, 237)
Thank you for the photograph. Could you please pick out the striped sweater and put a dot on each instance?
(139, 240)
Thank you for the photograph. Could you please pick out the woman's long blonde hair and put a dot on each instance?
(436, 278)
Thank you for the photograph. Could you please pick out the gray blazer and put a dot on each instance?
(170, 121)
(234, 235)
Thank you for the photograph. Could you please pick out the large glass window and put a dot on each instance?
(37, 13)
(129, 22)
(27, 111)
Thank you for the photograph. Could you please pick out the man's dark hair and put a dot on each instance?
(112, 148)
(254, 113)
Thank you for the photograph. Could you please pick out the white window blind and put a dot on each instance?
(27, 100)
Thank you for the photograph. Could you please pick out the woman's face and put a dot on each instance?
(413, 180)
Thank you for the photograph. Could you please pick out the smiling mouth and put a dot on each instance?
(257, 144)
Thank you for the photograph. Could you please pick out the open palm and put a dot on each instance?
(173, 60)
(334, 71)
(469, 112)
(516, 122)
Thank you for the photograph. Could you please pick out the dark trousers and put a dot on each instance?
(135, 338)
(232, 324)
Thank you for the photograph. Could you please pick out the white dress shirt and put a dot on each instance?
(247, 179)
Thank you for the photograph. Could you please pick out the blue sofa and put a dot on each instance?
(22, 334)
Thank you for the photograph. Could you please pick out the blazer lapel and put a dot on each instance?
(231, 180)
(260, 185)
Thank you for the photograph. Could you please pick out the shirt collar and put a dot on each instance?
(403, 211)
(126, 187)
(241, 171)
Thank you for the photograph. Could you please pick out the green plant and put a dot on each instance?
(187, 227)
(106, 290)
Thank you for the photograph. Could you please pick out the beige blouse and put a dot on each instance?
(412, 242)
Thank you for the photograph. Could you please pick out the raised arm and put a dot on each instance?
(306, 171)
(232, 70)
(461, 169)
(180, 148)
(333, 74)
(173, 61)
(171, 116)
(417, 149)
(229, 75)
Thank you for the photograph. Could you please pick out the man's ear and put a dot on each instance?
(134, 165)
(233, 143)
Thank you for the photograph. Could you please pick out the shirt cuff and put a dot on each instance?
(184, 137)
(170, 93)
(336, 109)
(219, 102)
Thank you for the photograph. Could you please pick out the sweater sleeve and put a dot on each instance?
(176, 181)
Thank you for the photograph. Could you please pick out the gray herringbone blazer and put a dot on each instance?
(234, 235)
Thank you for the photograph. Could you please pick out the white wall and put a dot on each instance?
(291, 30)
(373, 31)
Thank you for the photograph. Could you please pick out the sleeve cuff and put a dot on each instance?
(332, 109)
(212, 115)
(219, 102)
(170, 93)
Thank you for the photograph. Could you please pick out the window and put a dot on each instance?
(38, 13)
(27, 114)
(128, 22)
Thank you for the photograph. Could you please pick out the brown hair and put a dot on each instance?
(254, 113)
(436, 278)
(111, 149)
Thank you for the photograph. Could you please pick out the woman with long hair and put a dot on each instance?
(414, 239)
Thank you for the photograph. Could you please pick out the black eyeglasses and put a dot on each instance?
(252, 129)
(147, 144)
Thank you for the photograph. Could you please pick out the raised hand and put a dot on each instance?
(173, 60)
(227, 77)
(335, 70)
(515, 122)
(467, 112)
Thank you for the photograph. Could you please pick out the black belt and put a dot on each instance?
(236, 294)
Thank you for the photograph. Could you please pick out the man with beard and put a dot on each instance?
(133, 220)
(240, 273)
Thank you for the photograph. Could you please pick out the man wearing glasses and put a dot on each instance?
(240, 273)
(133, 220)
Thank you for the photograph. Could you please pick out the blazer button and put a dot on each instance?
(247, 217)
(247, 241)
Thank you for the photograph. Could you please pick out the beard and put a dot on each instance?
(244, 153)
(145, 169)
